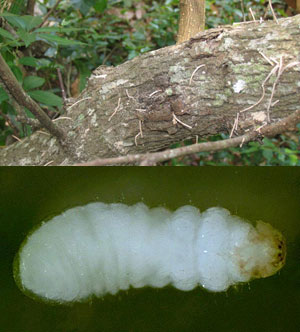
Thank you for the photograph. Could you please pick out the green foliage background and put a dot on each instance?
(84, 34)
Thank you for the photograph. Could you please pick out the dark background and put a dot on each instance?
(31, 195)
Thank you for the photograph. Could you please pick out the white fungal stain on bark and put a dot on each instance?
(239, 86)
(103, 248)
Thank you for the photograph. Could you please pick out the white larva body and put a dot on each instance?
(103, 248)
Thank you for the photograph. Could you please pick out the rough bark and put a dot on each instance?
(148, 91)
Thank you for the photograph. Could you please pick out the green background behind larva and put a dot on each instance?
(31, 195)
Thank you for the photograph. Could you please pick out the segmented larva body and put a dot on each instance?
(103, 248)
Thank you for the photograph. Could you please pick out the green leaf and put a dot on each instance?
(57, 29)
(27, 37)
(293, 159)
(83, 5)
(6, 34)
(18, 73)
(14, 20)
(100, 6)
(268, 154)
(26, 22)
(3, 95)
(58, 40)
(46, 97)
(28, 61)
(11, 43)
(31, 21)
(32, 82)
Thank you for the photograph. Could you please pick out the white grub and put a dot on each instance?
(103, 248)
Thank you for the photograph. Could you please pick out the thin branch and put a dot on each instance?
(16, 90)
(287, 124)
(175, 120)
(235, 124)
(154, 92)
(273, 71)
(194, 72)
(16, 138)
(272, 10)
(116, 110)
(252, 14)
(61, 83)
(140, 126)
(280, 71)
(77, 102)
(128, 95)
(135, 138)
(33, 123)
(243, 10)
(49, 13)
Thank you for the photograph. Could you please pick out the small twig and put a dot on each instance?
(274, 87)
(49, 13)
(266, 58)
(61, 83)
(140, 125)
(153, 93)
(68, 78)
(235, 124)
(241, 145)
(140, 133)
(260, 127)
(263, 88)
(286, 124)
(130, 97)
(272, 10)
(109, 55)
(49, 162)
(194, 72)
(116, 110)
(252, 14)
(16, 138)
(243, 10)
(135, 138)
(175, 120)
(77, 102)
(62, 118)
(43, 132)
(281, 69)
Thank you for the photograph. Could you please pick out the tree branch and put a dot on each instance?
(150, 159)
(30, 7)
(245, 74)
(16, 90)
(192, 19)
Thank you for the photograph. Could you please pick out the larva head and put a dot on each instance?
(263, 254)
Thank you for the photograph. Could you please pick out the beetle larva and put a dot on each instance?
(103, 248)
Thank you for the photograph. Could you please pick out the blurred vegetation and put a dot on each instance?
(80, 35)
